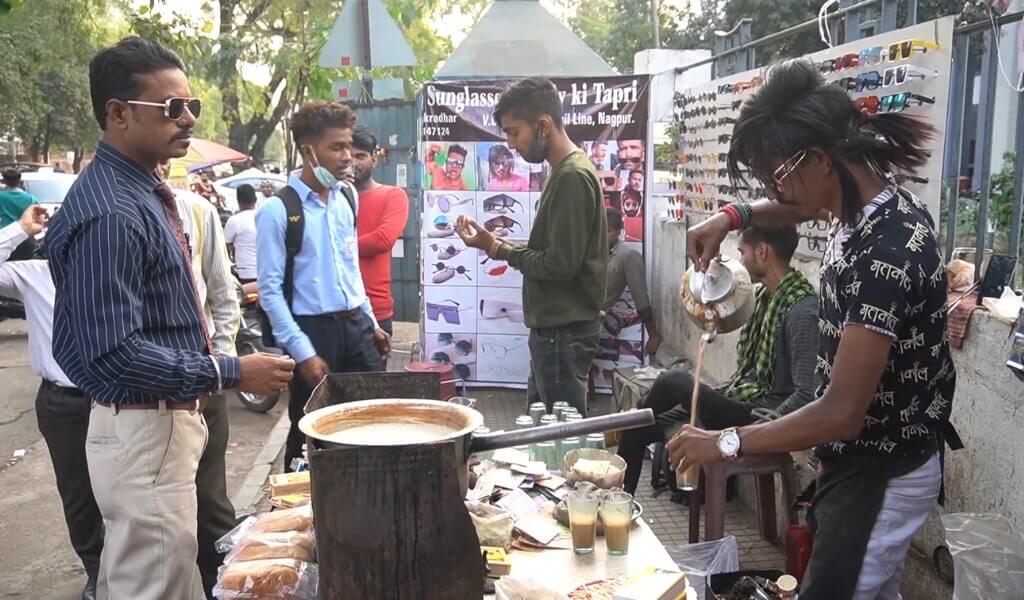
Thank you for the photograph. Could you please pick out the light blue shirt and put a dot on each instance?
(326, 277)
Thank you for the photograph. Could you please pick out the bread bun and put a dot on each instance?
(260, 578)
(262, 546)
(291, 519)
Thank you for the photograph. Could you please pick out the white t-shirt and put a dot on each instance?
(240, 231)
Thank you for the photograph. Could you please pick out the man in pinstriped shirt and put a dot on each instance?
(128, 329)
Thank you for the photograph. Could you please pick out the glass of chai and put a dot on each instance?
(617, 517)
(583, 520)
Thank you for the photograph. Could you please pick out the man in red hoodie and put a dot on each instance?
(383, 210)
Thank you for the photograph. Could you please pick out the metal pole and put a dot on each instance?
(955, 136)
(1018, 181)
(983, 151)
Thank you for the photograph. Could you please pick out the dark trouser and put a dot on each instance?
(560, 360)
(63, 417)
(27, 250)
(216, 514)
(387, 325)
(671, 389)
(346, 345)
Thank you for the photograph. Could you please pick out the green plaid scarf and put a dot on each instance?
(756, 348)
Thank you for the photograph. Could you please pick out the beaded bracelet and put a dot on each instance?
(735, 220)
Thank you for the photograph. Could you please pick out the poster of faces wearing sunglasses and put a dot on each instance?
(907, 70)
(473, 305)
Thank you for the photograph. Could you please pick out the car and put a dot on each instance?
(228, 186)
(49, 188)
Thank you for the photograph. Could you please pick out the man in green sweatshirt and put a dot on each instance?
(564, 263)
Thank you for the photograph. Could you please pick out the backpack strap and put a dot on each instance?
(294, 227)
(350, 195)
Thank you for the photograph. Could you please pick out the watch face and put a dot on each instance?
(729, 444)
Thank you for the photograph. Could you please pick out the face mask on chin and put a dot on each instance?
(325, 177)
(538, 150)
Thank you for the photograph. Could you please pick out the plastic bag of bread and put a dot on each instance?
(299, 518)
(284, 544)
(277, 579)
(493, 525)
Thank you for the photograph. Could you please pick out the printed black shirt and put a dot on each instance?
(887, 274)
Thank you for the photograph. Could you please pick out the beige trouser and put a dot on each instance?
(142, 465)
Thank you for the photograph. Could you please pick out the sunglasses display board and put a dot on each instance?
(472, 305)
(904, 70)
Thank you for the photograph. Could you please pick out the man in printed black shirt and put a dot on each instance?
(887, 275)
(881, 416)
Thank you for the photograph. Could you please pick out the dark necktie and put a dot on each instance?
(166, 195)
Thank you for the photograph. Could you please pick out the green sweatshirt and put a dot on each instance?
(565, 263)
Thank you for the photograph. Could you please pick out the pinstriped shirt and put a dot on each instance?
(126, 325)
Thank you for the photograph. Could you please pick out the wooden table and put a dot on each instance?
(563, 571)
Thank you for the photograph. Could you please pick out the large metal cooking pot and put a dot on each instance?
(443, 421)
(721, 299)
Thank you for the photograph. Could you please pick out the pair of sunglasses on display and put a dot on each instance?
(443, 272)
(448, 310)
(498, 351)
(446, 202)
(502, 225)
(462, 347)
(892, 76)
(892, 103)
(446, 252)
(502, 203)
(497, 309)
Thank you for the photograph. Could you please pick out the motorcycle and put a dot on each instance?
(11, 309)
(249, 341)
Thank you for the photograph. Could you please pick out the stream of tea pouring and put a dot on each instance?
(687, 480)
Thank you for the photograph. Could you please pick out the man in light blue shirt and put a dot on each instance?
(324, 320)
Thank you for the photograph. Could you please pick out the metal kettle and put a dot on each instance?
(721, 299)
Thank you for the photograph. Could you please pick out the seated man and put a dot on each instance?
(775, 354)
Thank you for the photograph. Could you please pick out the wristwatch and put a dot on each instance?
(729, 443)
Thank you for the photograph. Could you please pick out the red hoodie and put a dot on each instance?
(382, 215)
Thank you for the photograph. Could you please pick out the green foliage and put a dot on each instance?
(45, 96)
(281, 38)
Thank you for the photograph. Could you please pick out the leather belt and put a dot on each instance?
(339, 315)
(59, 389)
(196, 405)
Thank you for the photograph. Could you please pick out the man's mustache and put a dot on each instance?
(187, 133)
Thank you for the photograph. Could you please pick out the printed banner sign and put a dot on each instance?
(473, 306)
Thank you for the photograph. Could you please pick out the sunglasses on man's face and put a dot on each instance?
(452, 162)
(175, 107)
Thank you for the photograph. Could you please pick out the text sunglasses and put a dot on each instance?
(446, 202)
(905, 49)
(500, 203)
(175, 107)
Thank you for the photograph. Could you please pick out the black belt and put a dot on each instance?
(335, 316)
(59, 389)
